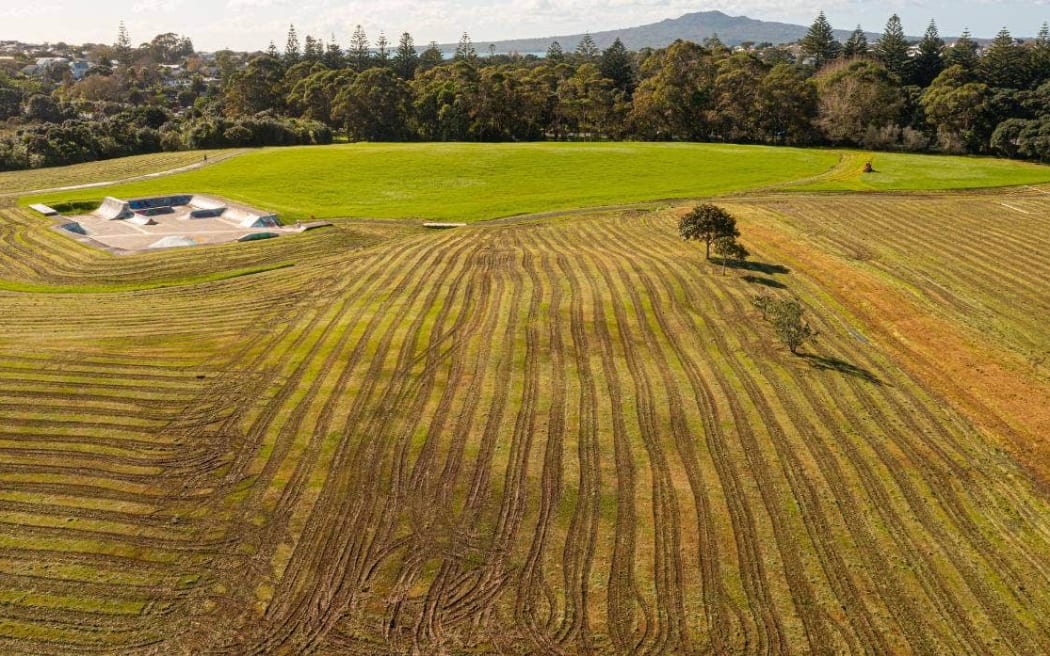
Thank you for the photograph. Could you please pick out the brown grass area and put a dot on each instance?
(563, 437)
(993, 386)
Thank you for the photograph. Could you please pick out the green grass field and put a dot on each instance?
(20, 182)
(469, 182)
(908, 172)
(570, 435)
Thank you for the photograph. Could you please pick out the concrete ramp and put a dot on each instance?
(269, 221)
(141, 220)
(44, 209)
(206, 203)
(253, 236)
(113, 209)
(75, 228)
(174, 241)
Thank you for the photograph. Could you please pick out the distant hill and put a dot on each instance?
(732, 30)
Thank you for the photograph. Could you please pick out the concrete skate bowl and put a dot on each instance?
(140, 224)
(187, 206)
(113, 209)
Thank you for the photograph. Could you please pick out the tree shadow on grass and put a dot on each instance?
(765, 268)
(768, 282)
(834, 364)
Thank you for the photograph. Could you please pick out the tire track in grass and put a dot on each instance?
(816, 521)
(429, 604)
(790, 550)
(976, 581)
(532, 585)
(513, 503)
(582, 534)
(453, 580)
(769, 633)
(373, 451)
(419, 388)
(672, 630)
(394, 273)
(445, 345)
(963, 530)
(714, 595)
(38, 531)
(465, 379)
(623, 597)
(962, 519)
(288, 357)
(803, 488)
(927, 576)
(283, 357)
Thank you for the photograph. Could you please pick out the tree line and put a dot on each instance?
(889, 94)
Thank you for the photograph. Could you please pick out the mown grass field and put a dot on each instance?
(569, 435)
(21, 182)
(470, 182)
(909, 172)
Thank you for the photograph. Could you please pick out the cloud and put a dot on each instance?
(241, 5)
(29, 11)
(155, 6)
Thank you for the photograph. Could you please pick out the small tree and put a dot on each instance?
(728, 248)
(786, 316)
(789, 325)
(707, 223)
(765, 304)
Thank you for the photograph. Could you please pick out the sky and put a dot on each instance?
(253, 24)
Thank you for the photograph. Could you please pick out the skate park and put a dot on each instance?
(178, 220)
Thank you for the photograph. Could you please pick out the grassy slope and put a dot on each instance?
(469, 182)
(477, 181)
(523, 424)
(605, 407)
(958, 281)
(20, 182)
(908, 172)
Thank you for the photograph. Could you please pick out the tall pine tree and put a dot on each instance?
(856, 45)
(382, 50)
(465, 50)
(333, 54)
(929, 63)
(820, 43)
(615, 65)
(313, 49)
(406, 59)
(1040, 56)
(1005, 63)
(291, 48)
(360, 53)
(892, 49)
(587, 50)
(122, 48)
(962, 53)
(555, 54)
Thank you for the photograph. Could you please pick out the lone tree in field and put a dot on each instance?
(786, 316)
(728, 248)
(708, 223)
